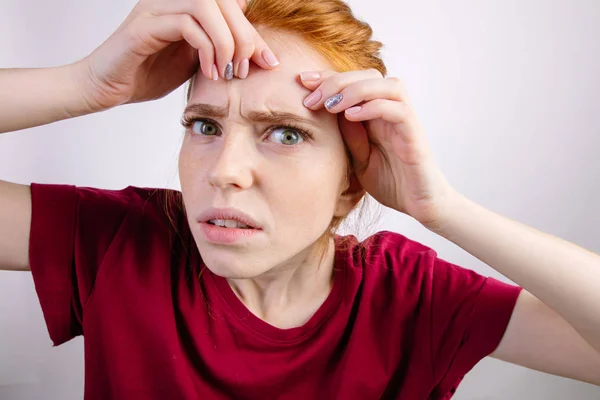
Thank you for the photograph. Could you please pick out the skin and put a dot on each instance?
(292, 190)
(555, 326)
(392, 161)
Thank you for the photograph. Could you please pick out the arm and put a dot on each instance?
(537, 337)
(146, 58)
(32, 97)
(15, 221)
(555, 326)
(392, 161)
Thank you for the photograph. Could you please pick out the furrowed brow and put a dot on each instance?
(265, 117)
(279, 117)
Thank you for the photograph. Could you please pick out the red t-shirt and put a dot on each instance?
(399, 323)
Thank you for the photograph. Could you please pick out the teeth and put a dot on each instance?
(228, 223)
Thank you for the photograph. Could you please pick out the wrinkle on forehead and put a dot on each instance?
(278, 89)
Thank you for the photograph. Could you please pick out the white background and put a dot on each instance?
(508, 91)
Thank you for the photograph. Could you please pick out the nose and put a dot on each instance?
(234, 162)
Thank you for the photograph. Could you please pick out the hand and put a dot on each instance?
(160, 44)
(390, 154)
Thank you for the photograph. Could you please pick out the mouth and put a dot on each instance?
(229, 224)
(229, 231)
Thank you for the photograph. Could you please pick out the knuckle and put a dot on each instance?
(208, 51)
(187, 23)
(396, 82)
(136, 35)
(378, 103)
(196, 8)
(362, 87)
(244, 48)
(375, 72)
(225, 47)
(402, 108)
(334, 82)
(396, 85)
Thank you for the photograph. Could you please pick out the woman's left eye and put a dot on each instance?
(286, 136)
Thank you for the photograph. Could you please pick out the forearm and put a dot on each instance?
(33, 97)
(560, 274)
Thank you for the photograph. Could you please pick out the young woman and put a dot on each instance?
(238, 287)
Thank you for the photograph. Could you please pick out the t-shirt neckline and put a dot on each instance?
(297, 334)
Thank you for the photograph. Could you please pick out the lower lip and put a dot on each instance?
(220, 235)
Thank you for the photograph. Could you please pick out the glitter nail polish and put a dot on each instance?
(229, 71)
(333, 101)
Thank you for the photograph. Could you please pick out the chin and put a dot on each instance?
(232, 267)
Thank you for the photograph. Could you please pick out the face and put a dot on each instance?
(252, 147)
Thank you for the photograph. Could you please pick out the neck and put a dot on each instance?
(288, 295)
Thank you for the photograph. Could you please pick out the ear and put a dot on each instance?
(349, 198)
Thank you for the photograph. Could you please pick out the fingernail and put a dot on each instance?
(215, 73)
(269, 57)
(353, 110)
(229, 71)
(243, 69)
(310, 76)
(333, 101)
(313, 98)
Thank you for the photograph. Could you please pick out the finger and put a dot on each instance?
(312, 79)
(157, 32)
(243, 4)
(211, 19)
(249, 45)
(335, 83)
(244, 35)
(357, 140)
(365, 90)
(263, 56)
(395, 112)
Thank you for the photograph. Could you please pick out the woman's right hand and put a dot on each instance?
(160, 44)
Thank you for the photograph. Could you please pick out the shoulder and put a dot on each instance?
(146, 211)
(102, 212)
(132, 201)
(388, 265)
(385, 250)
(101, 199)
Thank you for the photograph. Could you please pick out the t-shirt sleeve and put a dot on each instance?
(469, 316)
(71, 231)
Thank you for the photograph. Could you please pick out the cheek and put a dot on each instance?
(189, 164)
(308, 189)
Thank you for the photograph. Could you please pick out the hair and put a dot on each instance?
(330, 28)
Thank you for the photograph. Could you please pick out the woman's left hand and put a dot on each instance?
(390, 154)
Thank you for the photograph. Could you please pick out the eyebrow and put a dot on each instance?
(266, 117)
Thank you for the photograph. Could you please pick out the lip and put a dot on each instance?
(228, 213)
(220, 235)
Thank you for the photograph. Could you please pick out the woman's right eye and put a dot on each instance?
(205, 128)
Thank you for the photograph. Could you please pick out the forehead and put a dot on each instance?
(279, 88)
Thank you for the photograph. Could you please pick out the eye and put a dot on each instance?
(204, 127)
(285, 135)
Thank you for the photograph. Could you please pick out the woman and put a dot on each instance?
(238, 287)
